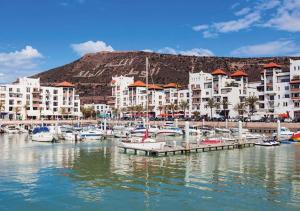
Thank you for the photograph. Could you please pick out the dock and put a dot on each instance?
(195, 148)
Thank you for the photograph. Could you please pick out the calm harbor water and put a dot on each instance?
(96, 176)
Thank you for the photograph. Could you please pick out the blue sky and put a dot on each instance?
(38, 35)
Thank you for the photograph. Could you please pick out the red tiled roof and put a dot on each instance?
(271, 65)
(172, 85)
(154, 86)
(137, 84)
(239, 73)
(218, 72)
(64, 84)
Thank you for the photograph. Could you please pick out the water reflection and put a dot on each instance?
(97, 173)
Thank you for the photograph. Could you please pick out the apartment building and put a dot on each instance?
(227, 90)
(274, 91)
(127, 93)
(295, 87)
(100, 109)
(27, 99)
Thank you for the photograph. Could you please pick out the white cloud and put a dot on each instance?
(91, 47)
(191, 52)
(237, 25)
(287, 17)
(148, 50)
(200, 27)
(282, 15)
(19, 63)
(243, 11)
(279, 47)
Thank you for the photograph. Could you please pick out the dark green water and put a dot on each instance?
(96, 176)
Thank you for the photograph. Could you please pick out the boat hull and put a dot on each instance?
(144, 146)
(42, 137)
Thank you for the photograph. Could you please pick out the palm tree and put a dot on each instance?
(16, 110)
(251, 102)
(183, 105)
(173, 107)
(2, 107)
(225, 105)
(26, 106)
(139, 109)
(160, 108)
(211, 103)
(240, 108)
(62, 111)
(196, 114)
(116, 112)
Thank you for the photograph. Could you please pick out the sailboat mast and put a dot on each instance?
(147, 85)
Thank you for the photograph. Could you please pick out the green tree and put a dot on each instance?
(225, 105)
(211, 103)
(240, 108)
(183, 105)
(252, 101)
(173, 107)
(196, 114)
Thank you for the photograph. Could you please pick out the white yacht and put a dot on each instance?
(42, 134)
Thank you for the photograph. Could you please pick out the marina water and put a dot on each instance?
(97, 176)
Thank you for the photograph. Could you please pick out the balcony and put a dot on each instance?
(296, 98)
(295, 90)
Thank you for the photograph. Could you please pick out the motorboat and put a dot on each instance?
(285, 133)
(42, 134)
(212, 141)
(120, 131)
(139, 131)
(91, 133)
(295, 137)
(11, 129)
(222, 130)
(268, 143)
(143, 143)
(194, 131)
(170, 130)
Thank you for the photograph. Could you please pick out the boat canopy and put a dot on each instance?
(40, 130)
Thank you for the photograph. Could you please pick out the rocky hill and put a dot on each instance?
(93, 72)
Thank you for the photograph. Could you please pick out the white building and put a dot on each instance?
(27, 99)
(295, 86)
(100, 109)
(127, 93)
(226, 91)
(275, 92)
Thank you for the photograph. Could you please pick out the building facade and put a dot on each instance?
(27, 99)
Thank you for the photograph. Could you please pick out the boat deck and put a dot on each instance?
(173, 150)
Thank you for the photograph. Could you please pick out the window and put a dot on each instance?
(28, 89)
(286, 96)
(286, 87)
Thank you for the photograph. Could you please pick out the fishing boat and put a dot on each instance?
(42, 134)
(295, 137)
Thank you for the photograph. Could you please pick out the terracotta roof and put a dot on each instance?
(218, 72)
(172, 85)
(137, 84)
(64, 84)
(295, 82)
(154, 86)
(239, 73)
(271, 65)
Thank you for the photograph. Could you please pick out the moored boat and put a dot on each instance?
(295, 137)
(42, 134)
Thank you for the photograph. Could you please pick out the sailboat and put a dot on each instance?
(144, 142)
